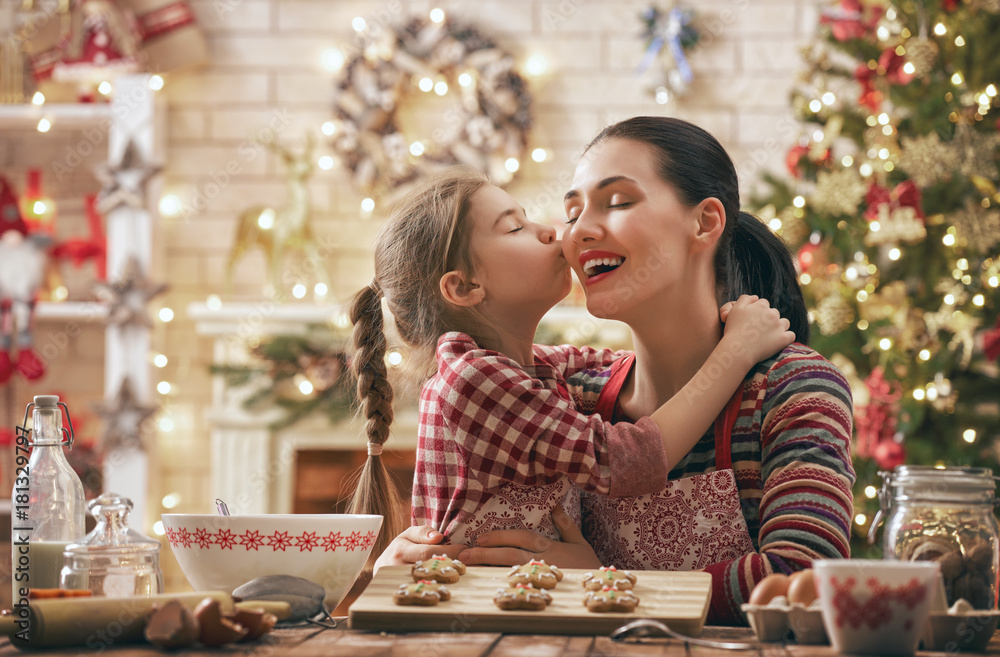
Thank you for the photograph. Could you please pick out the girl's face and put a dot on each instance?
(629, 233)
(518, 263)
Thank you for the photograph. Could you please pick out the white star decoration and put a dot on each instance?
(125, 419)
(128, 296)
(124, 183)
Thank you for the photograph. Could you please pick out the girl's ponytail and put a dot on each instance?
(375, 493)
(758, 262)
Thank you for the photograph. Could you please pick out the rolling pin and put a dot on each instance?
(98, 623)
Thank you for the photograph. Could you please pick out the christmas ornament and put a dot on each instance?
(93, 247)
(125, 419)
(974, 149)
(922, 53)
(669, 33)
(889, 454)
(927, 159)
(39, 211)
(833, 314)
(869, 97)
(488, 129)
(991, 342)
(875, 422)
(897, 212)
(838, 192)
(124, 183)
(976, 226)
(851, 19)
(101, 45)
(280, 230)
(171, 38)
(892, 66)
(128, 296)
(22, 268)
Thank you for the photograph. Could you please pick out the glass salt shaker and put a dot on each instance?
(944, 515)
(47, 502)
(113, 560)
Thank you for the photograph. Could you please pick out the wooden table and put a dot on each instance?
(316, 642)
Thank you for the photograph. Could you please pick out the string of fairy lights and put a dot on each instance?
(879, 156)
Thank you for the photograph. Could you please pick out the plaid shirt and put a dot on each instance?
(486, 421)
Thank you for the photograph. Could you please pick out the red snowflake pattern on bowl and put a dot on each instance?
(224, 539)
(876, 610)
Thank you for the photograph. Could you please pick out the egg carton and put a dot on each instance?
(780, 620)
(961, 628)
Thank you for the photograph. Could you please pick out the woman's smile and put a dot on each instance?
(598, 265)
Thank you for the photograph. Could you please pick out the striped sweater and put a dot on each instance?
(791, 458)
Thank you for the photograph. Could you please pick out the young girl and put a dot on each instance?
(501, 443)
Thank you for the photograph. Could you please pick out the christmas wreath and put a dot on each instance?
(488, 128)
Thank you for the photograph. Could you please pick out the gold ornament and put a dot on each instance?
(927, 159)
(280, 230)
(833, 314)
(974, 150)
(922, 53)
(839, 192)
(979, 227)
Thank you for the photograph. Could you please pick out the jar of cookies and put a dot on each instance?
(945, 514)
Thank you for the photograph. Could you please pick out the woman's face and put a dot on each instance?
(629, 233)
(519, 263)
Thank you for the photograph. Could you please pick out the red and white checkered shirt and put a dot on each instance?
(487, 422)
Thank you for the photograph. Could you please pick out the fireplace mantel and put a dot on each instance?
(252, 466)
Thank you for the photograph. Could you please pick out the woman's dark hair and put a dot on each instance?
(750, 259)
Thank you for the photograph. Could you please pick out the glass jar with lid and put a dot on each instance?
(944, 514)
(113, 560)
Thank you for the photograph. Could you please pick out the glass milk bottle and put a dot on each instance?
(47, 511)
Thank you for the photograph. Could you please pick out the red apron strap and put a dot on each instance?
(724, 431)
(608, 398)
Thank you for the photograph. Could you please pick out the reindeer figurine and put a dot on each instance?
(280, 230)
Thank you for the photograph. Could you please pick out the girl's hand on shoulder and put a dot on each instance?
(754, 329)
(512, 547)
(416, 544)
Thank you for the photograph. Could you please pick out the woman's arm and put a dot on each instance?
(807, 507)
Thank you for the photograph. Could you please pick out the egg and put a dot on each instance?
(769, 588)
(802, 587)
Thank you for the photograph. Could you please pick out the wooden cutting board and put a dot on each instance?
(678, 599)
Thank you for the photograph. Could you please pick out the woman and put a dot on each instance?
(661, 195)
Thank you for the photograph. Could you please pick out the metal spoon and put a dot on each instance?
(647, 627)
(221, 506)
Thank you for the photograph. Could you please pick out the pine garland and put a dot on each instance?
(285, 364)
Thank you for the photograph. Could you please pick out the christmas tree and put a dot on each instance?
(893, 213)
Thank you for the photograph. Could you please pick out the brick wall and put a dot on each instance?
(266, 72)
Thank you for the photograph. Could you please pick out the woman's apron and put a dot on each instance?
(692, 523)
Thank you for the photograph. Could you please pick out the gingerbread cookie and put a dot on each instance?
(537, 573)
(424, 593)
(610, 598)
(522, 596)
(609, 576)
(439, 568)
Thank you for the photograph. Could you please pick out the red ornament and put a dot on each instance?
(794, 157)
(875, 422)
(905, 194)
(889, 454)
(991, 342)
(807, 257)
(80, 249)
(870, 97)
(851, 20)
(891, 65)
